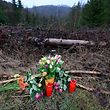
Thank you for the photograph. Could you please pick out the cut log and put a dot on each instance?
(66, 42)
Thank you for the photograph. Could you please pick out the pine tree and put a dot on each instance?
(3, 17)
(14, 13)
(106, 12)
(27, 17)
(14, 4)
(75, 16)
(20, 6)
(19, 11)
(92, 13)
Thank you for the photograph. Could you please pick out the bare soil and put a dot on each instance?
(17, 55)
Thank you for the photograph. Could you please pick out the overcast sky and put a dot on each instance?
(31, 3)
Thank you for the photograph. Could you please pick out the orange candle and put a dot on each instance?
(72, 86)
(49, 89)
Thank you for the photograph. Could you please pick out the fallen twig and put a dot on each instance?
(20, 96)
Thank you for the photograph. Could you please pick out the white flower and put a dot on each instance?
(48, 61)
(59, 56)
(49, 57)
(44, 58)
(52, 63)
(56, 56)
(40, 62)
(59, 60)
(50, 66)
(52, 58)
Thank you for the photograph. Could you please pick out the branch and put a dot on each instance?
(84, 72)
(20, 96)
(92, 89)
(77, 77)
(8, 81)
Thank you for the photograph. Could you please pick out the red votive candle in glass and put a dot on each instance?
(49, 89)
(72, 86)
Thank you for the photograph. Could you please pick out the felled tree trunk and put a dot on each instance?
(56, 42)
(67, 42)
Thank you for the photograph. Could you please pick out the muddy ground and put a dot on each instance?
(17, 55)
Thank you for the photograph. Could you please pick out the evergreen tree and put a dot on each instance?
(106, 12)
(75, 13)
(19, 11)
(33, 20)
(14, 13)
(92, 13)
(3, 17)
(20, 6)
(27, 17)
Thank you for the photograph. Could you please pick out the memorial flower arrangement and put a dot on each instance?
(49, 75)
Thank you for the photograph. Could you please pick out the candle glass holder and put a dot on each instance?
(49, 89)
(72, 86)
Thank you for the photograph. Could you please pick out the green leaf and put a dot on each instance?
(66, 75)
(58, 69)
(33, 95)
(69, 79)
(35, 87)
(10, 86)
(64, 87)
(31, 90)
(53, 70)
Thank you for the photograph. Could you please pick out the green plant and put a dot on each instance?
(34, 85)
(50, 70)
(50, 65)
(62, 80)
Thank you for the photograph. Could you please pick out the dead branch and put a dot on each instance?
(24, 96)
(8, 81)
(92, 89)
(77, 77)
(78, 85)
(84, 72)
(83, 87)
(73, 71)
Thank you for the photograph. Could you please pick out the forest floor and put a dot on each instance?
(17, 55)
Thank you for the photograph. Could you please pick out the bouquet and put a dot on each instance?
(49, 75)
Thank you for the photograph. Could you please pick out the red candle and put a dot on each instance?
(72, 86)
(49, 89)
